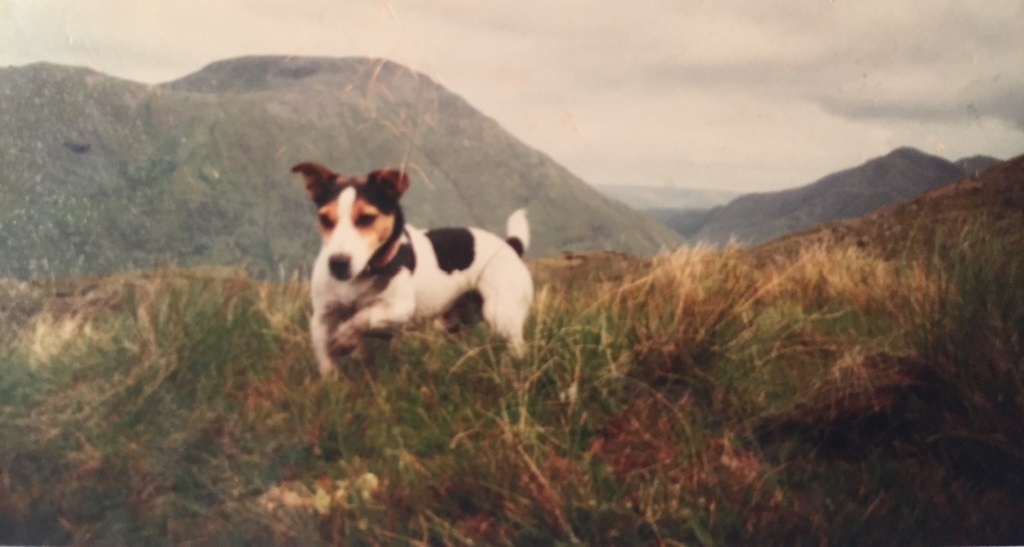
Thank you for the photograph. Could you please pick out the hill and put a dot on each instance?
(755, 218)
(101, 174)
(993, 197)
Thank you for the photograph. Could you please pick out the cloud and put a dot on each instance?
(741, 94)
(966, 103)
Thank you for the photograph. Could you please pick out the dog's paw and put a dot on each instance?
(328, 370)
(340, 348)
(344, 341)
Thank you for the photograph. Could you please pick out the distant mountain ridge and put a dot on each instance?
(991, 199)
(100, 174)
(756, 218)
(645, 198)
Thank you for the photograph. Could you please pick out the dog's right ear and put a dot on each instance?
(319, 180)
(392, 181)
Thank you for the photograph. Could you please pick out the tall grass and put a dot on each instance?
(704, 398)
(973, 335)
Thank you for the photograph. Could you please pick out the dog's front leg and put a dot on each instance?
(383, 315)
(346, 337)
(320, 332)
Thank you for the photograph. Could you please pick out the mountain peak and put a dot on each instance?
(906, 152)
(899, 175)
(275, 72)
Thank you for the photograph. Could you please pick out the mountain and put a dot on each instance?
(657, 198)
(754, 218)
(974, 165)
(992, 199)
(100, 174)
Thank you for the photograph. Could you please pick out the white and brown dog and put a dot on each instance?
(374, 272)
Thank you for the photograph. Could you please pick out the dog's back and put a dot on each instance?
(454, 261)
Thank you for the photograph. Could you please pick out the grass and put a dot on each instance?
(705, 397)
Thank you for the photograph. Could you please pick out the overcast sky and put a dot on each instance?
(745, 95)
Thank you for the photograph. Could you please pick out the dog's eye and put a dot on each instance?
(326, 221)
(365, 220)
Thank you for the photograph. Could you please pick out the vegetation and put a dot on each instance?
(705, 397)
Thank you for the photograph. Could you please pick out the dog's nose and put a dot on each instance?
(340, 265)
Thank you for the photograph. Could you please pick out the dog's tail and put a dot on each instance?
(518, 230)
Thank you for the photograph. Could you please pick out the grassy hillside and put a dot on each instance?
(928, 222)
(825, 395)
(756, 218)
(100, 175)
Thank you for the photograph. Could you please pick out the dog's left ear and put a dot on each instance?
(319, 180)
(393, 182)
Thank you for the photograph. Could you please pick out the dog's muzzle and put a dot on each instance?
(340, 266)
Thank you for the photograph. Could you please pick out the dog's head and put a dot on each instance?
(358, 216)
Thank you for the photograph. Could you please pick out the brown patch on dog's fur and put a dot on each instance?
(373, 225)
(327, 218)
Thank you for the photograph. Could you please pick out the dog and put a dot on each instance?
(374, 273)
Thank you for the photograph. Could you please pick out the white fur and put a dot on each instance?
(344, 238)
(517, 226)
(497, 272)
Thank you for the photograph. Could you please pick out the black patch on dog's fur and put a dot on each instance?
(404, 258)
(453, 247)
(373, 195)
(516, 244)
(327, 193)
(378, 197)
(338, 313)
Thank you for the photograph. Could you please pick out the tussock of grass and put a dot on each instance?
(705, 397)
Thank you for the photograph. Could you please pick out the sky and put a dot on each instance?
(741, 95)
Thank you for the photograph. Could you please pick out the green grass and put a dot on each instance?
(700, 398)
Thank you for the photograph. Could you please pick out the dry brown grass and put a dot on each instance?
(706, 396)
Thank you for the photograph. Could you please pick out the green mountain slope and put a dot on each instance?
(99, 174)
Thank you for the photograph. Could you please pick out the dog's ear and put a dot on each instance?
(392, 182)
(319, 180)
